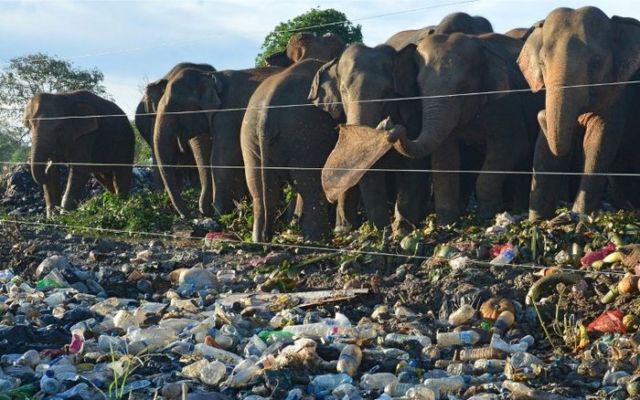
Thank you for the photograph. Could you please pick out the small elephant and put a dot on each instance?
(145, 117)
(501, 126)
(300, 138)
(578, 47)
(76, 134)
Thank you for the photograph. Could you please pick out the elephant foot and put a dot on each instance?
(401, 228)
(68, 204)
(447, 217)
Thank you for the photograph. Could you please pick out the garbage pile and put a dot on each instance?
(513, 310)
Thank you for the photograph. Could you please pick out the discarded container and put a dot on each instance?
(446, 339)
(377, 381)
(608, 322)
(399, 339)
(349, 360)
(450, 385)
(461, 315)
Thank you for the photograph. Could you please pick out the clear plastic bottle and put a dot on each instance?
(377, 381)
(358, 333)
(421, 392)
(49, 384)
(399, 339)
(446, 339)
(498, 343)
(504, 322)
(451, 384)
(489, 365)
(398, 389)
(349, 360)
(30, 359)
(458, 368)
(212, 373)
(254, 347)
(481, 353)
(210, 352)
(243, 374)
(328, 382)
(462, 315)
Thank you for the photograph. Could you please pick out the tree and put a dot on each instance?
(31, 74)
(316, 21)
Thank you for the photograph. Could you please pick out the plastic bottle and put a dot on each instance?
(504, 322)
(489, 365)
(212, 373)
(243, 374)
(254, 347)
(380, 355)
(328, 382)
(399, 339)
(356, 333)
(377, 381)
(451, 384)
(462, 315)
(397, 389)
(481, 353)
(55, 299)
(270, 337)
(446, 339)
(30, 359)
(459, 368)
(422, 392)
(224, 356)
(498, 343)
(49, 384)
(349, 360)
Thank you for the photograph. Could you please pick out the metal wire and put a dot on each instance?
(5, 221)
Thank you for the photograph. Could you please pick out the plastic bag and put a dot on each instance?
(597, 255)
(608, 322)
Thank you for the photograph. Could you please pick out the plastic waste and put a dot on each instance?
(49, 384)
(523, 366)
(30, 359)
(149, 339)
(597, 255)
(505, 257)
(421, 392)
(213, 373)
(224, 356)
(399, 339)
(450, 385)
(489, 365)
(504, 322)
(377, 381)
(481, 353)
(397, 389)
(446, 339)
(349, 360)
(498, 343)
(609, 321)
(53, 280)
(462, 315)
(55, 299)
(322, 384)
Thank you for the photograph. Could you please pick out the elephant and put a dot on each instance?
(456, 22)
(501, 126)
(578, 47)
(77, 135)
(386, 72)
(215, 137)
(299, 138)
(519, 33)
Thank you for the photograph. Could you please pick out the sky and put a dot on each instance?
(136, 41)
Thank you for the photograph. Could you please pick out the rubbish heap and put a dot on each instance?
(515, 310)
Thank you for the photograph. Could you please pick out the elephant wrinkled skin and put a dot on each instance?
(78, 140)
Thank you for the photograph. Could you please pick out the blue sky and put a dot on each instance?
(136, 41)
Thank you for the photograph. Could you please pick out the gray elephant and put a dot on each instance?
(501, 126)
(576, 48)
(295, 137)
(76, 134)
(215, 137)
(456, 22)
(145, 117)
(382, 72)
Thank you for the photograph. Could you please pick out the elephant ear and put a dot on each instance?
(279, 59)
(325, 92)
(153, 93)
(626, 47)
(529, 60)
(210, 92)
(84, 121)
(497, 70)
(405, 72)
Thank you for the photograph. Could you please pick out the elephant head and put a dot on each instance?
(463, 22)
(48, 135)
(573, 48)
(451, 65)
(344, 86)
(303, 45)
(180, 123)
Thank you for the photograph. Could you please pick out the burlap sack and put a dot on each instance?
(358, 148)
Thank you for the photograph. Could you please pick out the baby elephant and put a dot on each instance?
(79, 128)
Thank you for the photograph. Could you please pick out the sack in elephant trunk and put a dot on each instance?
(358, 149)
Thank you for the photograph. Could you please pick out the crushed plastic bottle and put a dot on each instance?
(498, 343)
(450, 385)
(462, 338)
(377, 381)
(349, 360)
(462, 315)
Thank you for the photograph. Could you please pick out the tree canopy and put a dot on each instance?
(28, 75)
(316, 21)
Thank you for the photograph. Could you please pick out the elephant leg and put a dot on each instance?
(227, 174)
(601, 144)
(545, 188)
(411, 199)
(347, 211)
(78, 177)
(315, 217)
(446, 185)
(106, 180)
(52, 189)
(122, 180)
(373, 191)
(201, 147)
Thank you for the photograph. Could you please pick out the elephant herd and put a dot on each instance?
(463, 116)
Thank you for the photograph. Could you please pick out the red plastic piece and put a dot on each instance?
(597, 255)
(608, 322)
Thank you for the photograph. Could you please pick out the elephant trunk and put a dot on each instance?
(144, 123)
(40, 151)
(439, 118)
(558, 122)
(165, 148)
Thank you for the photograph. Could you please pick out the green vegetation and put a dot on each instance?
(142, 152)
(316, 21)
